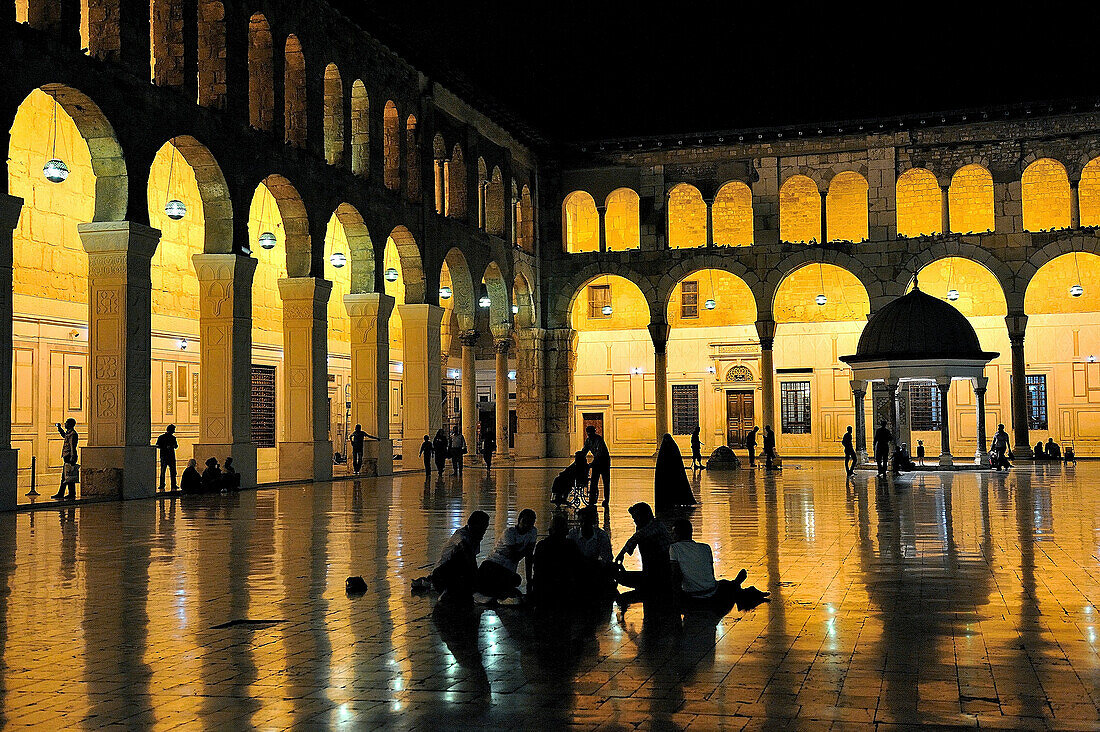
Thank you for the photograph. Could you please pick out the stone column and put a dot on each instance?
(531, 436)
(482, 189)
(422, 413)
(370, 373)
(659, 332)
(943, 386)
(710, 221)
(118, 460)
(765, 330)
(1017, 324)
(469, 390)
(502, 346)
(306, 451)
(439, 195)
(1074, 205)
(225, 361)
(980, 385)
(859, 391)
(559, 362)
(601, 212)
(945, 210)
(824, 217)
(10, 207)
(893, 388)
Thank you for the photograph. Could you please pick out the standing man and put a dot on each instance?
(166, 446)
(850, 458)
(601, 465)
(357, 438)
(68, 459)
(750, 443)
(769, 447)
(488, 447)
(426, 450)
(881, 446)
(458, 449)
(999, 448)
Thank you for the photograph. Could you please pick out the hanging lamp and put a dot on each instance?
(952, 293)
(711, 303)
(821, 299)
(55, 169)
(1076, 290)
(338, 259)
(173, 208)
(391, 274)
(445, 293)
(267, 238)
(484, 301)
(607, 309)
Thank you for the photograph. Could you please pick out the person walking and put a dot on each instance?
(166, 446)
(850, 458)
(69, 469)
(769, 448)
(458, 449)
(601, 465)
(999, 448)
(881, 446)
(696, 450)
(488, 447)
(750, 443)
(357, 438)
(426, 450)
(441, 449)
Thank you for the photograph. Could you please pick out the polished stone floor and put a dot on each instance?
(963, 600)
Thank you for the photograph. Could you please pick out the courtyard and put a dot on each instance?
(964, 600)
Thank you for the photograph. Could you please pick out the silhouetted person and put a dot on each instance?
(455, 575)
(769, 447)
(670, 483)
(575, 475)
(1053, 451)
(692, 564)
(850, 458)
(999, 449)
(881, 446)
(426, 450)
(70, 441)
(166, 446)
(497, 576)
(458, 449)
(750, 444)
(696, 450)
(902, 461)
(1069, 456)
(1040, 453)
(441, 448)
(357, 438)
(488, 447)
(601, 465)
(231, 479)
(191, 481)
(211, 477)
(596, 571)
(652, 538)
(920, 452)
(556, 561)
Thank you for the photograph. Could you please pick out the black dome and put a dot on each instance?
(918, 326)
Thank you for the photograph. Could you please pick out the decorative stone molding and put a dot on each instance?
(370, 373)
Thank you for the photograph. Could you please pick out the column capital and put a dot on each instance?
(502, 345)
(859, 386)
(10, 206)
(765, 331)
(368, 305)
(980, 382)
(1017, 325)
(469, 338)
(658, 333)
(102, 237)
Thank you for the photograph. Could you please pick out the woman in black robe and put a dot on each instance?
(670, 482)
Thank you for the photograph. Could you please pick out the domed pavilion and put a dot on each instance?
(918, 337)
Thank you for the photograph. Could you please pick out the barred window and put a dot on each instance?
(689, 299)
(685, 408)
(263, 405)
(599, 297)
(1036, 401)
(794, 407)
(924, 406)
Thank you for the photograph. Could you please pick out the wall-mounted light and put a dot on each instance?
(1092, 359)
(454, 373)
(511, 376)
(399, 367)
(637, 370)
(952, 294)
(182, 343)
(391, 274)
(711, 370)
(484, 301)
(267, 240)
(445, 293)
(338, 259)
(74, 334)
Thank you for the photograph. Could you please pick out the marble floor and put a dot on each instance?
(965, 600)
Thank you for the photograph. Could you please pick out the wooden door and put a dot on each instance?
(739, 417)
(591, 419)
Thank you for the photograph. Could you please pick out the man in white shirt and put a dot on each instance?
(692, 563)
(596, 573)
(497, 576)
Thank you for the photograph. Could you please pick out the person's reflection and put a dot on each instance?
(777, 640)
(458, 628)
(1033, 643)
(69, 534)
(8, 527)
(657, 644)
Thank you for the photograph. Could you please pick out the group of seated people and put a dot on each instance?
(572, 565)
(1051, 451)
(903, 462)
(214, 479)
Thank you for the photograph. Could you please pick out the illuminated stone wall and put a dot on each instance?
(339, 323)
(846, 207)
(846, 298)
(267, 306)
(971, 200)
(919, 203)
(687, 218)
(621, 220)
(1045, 190)
(799, 210)
(581, 223)
(734, 302)
(732, 215)
(175, 283)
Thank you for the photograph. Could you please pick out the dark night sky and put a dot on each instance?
(584, 71)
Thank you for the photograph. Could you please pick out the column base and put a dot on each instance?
(118, 472)
(557, 445)
(1022, 452)
(981, 457)
(305, 460)
(9, 479)
(243, 454)
(530, 445)
(381, 453)
(946, 460)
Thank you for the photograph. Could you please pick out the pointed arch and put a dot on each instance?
(526, 221)
(391, 146)
(294, 93)
(360, 129)
(494, 204)
(295, 222)
(334, 115)
(462, 288)
(456, 184)
(261, 85)
(500, 309)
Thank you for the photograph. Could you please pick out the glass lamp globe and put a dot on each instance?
(445, 293)
(484, 301)
(55, 170)
(175, 209)
(606, 310)
(392, 274)
(821, 299)
(710, 304)
(267, 240)
(515, 310)
(1076, 291)
(952, 294)
(338, 259)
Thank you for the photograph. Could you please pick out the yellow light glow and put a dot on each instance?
(1048, 291)
(396, 290)
(734, 302)
(621, 220)
(1088, 194)
(629, 306)
(846, 298)
(799, 210)
(339, 323)
(175, 284)
(846, 207)
(979, 292)
(732, 215)
(1044, 188)
(267, 305)
(971, 200)
(581, 223)
(687, 218)
(919, 203)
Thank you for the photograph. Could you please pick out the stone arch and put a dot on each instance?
(295, 114)
(1026, 271)
(391, 146)
(292, 211)
(100, 31)
(919, 203)
(523, 298)
(938, 250)
(261, 71)
(494, 204)
(846, 214)
(580, 223)
(1088, 193)
(936, 284)
(635, 293)
(412, 269)
(702, 261)
(500, 309)
(333, 115)
(211, 78)
(216, 207)
(877, 291)
(687, 217)
(799, 210)
(732, 215)
(482, 188)
(462, 288)
(526, 220)
(735, 303)
(814, 174)
(1076, 267)
(360, 248)
(166, 42)
(562, 297)
(831, 279)
(621, 219)
(971, 200)
(412, 164)
(456, 184)
(826, 177)
(1044, 193)
(360, 129)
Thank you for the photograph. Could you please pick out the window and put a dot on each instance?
(689, 299)
(685, 408)
(924, 407)
(263, 406)
(794, 407)
(1036, 401)
(599, 297)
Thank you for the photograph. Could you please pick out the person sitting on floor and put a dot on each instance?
(692, 565)
(651, 536)
(902, 461)
(574, 475)
(231, 479)
(1053, 451)
(191, 481)
(211, 477)
(596, 568)
(455, 575)
(1040, 453)
(555, 581)
(497, 577)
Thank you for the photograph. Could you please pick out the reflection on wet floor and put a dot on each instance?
(962, 599)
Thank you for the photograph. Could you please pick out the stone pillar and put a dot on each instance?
(893, 388)
(118, 460)
(659, 331)
(1017, 324)
(482, 189)
(10, 207)
(370, 373)
(306, 452)
(980, 385)
(824, 217)
(943, 386)
(469, 390)
(601, 211)
(502, 346)
(1074, 205)
(422, 413)
(710, 222)
(765, 330)
(225, 361)
(559, 362)
(531, 436)
(439, 194)
(945, 210)
(859, 391)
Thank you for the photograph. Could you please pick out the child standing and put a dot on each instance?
(920, 452)
(426, 450)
